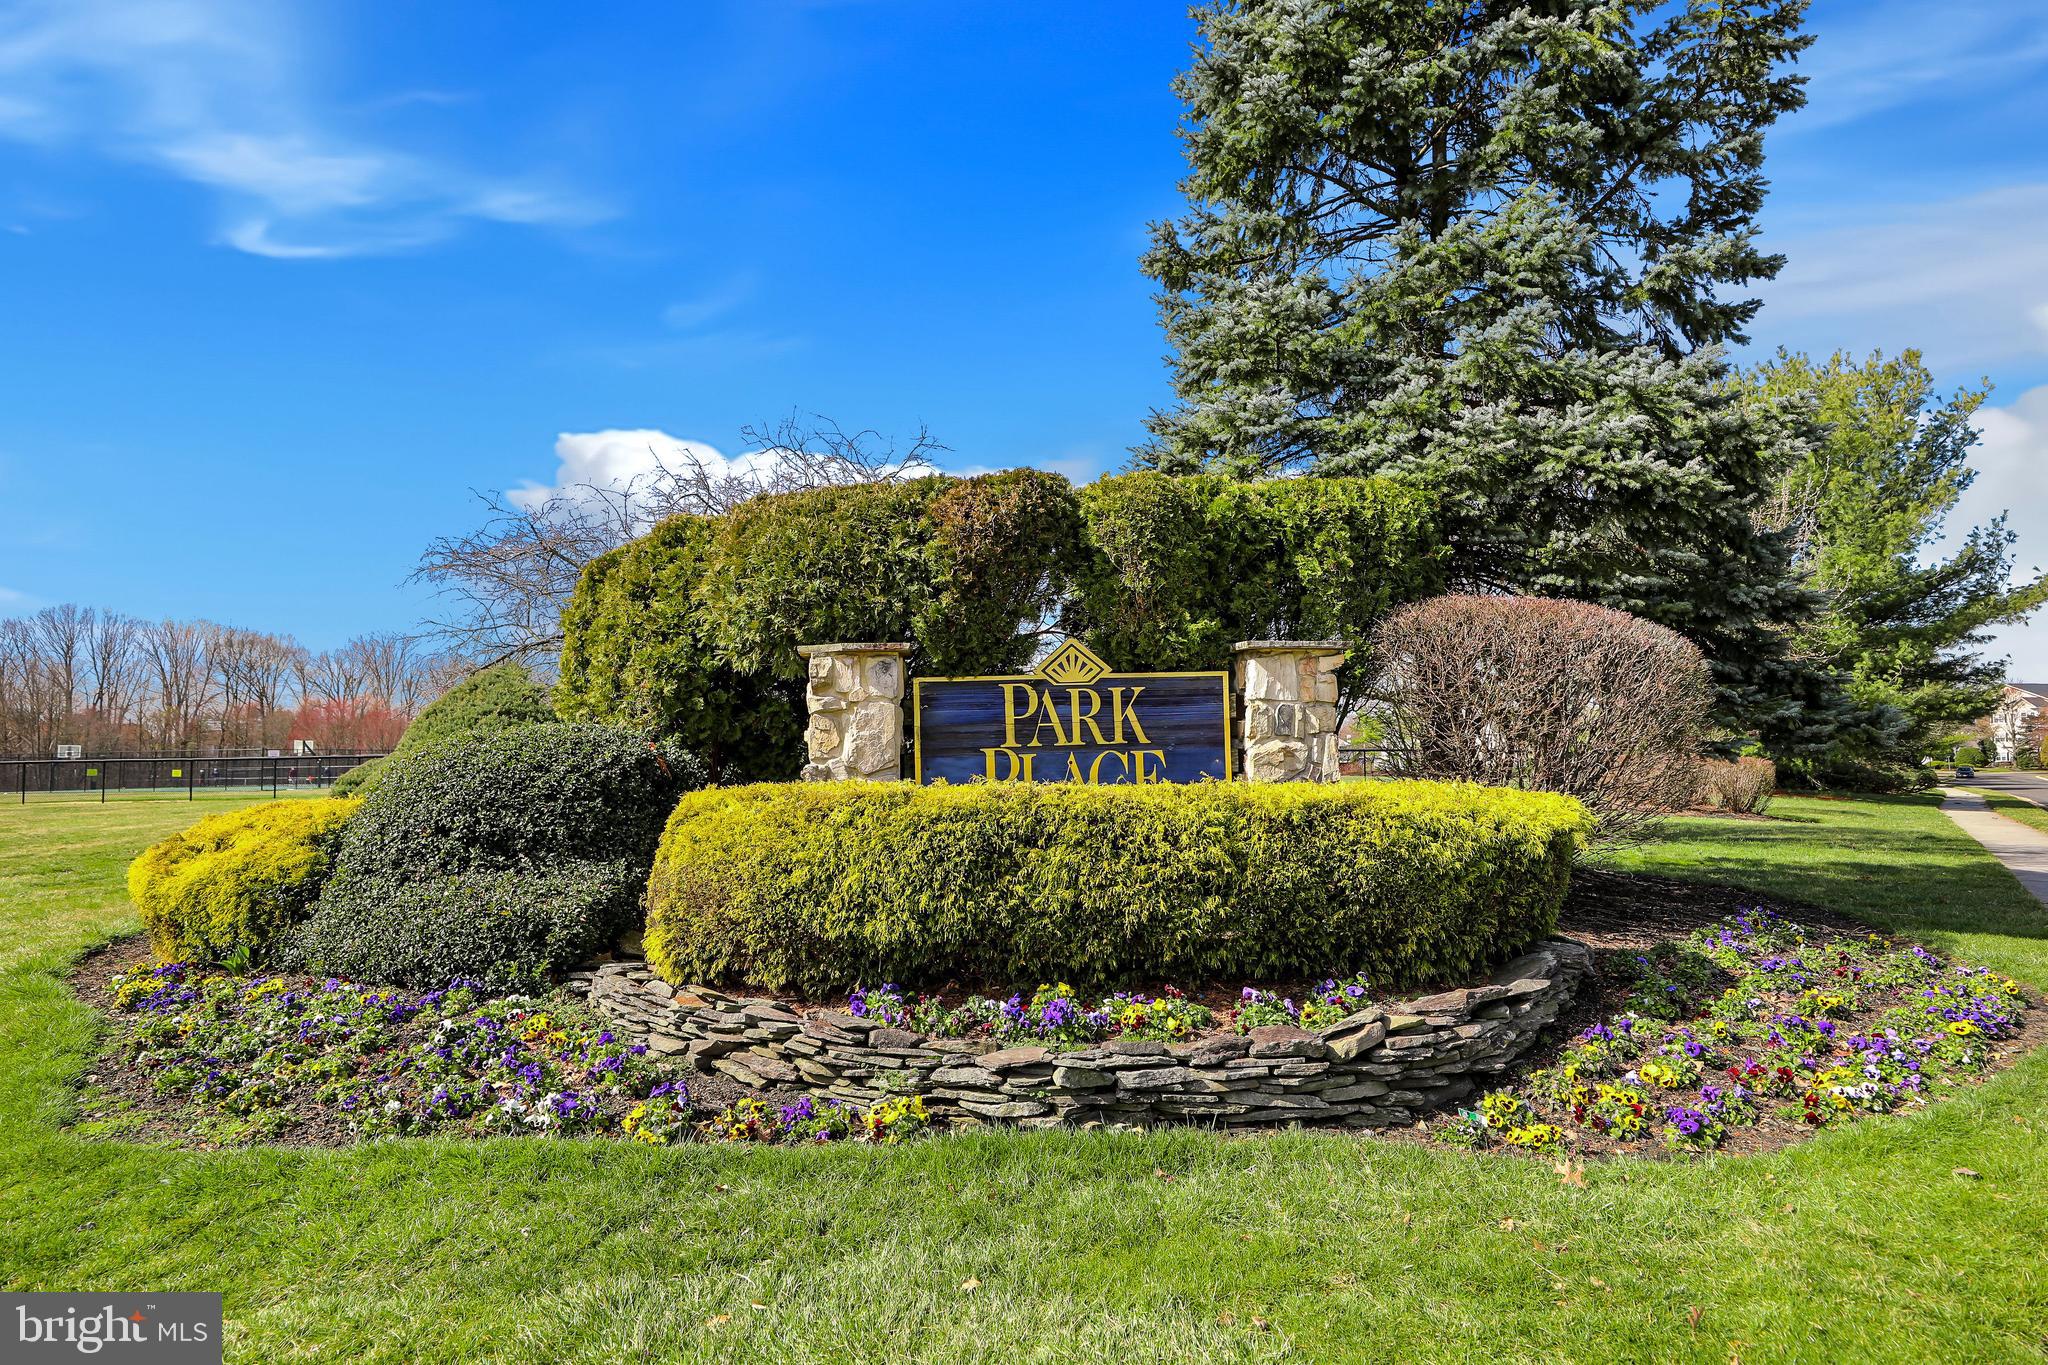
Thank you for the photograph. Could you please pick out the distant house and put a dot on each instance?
(2019, 721)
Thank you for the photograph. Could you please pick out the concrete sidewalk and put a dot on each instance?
(2024, 851)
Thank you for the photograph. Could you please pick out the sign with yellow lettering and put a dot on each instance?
(1073, 721)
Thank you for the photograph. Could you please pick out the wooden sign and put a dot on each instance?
(1073, 721)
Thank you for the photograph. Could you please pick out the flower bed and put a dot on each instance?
(1056, 1014)
(1745, 1035)
(1751, 1027)
(237, 1059)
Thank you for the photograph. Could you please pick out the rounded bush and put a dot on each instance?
(492, 699)
(352, 782)
(818, 887)
(236, 881)
(510, 928)
(497, 856)
(530, 794)
(1546, 694)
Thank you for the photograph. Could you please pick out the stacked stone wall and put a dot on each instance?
(1381, 1066)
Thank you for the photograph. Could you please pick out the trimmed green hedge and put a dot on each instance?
(1181, 568)
(527, 848)
(692, 629)
(237, 880)
(818, 887)
(509, 928)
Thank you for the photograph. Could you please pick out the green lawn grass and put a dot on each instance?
(2018, 808)
(1863, 1244)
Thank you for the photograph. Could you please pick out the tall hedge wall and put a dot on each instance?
(692, 630)
(822, 886)
(636, 651)
(1180, 569)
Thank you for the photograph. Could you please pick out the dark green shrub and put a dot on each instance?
(531, 794)
(492, 699)
(526, 849)
(1180, 569)
(352, 782)
(509, 928)
(487, 701)
(821, 886)
(234, 882)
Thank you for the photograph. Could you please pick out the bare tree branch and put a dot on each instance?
(506, 583)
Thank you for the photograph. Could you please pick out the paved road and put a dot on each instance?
(2023, 850)
(2031, 786)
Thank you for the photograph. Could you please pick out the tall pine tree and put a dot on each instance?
(1485, 245)
(1866, 506)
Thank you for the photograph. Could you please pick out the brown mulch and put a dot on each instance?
(1626, 910)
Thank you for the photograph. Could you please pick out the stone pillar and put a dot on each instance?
(855, 696)
(1290, 709)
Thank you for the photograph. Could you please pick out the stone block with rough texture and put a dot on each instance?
(854, 693)
(1289, 729)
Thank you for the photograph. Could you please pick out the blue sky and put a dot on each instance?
(283, 281)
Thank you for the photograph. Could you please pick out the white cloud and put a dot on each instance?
(2011, 460)
(616, 459)
(1883, 55)
(9, 597)
(1965, 280)
(224, 94)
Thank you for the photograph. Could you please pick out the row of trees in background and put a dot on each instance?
(118, 685)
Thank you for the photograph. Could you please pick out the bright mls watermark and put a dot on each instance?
(165, 1329)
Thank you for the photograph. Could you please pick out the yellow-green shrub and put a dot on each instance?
(236, 880)
(821, 886)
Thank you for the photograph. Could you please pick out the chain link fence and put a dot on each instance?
(187, 779)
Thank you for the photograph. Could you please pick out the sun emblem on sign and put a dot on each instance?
(1073, 664)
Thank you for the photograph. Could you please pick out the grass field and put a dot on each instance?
(208, 797)
(1863, 1244)
(2018, 808)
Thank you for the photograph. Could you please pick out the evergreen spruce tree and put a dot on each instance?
(1865, 506)
(1495, 247)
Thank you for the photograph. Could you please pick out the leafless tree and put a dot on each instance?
(174, 654)
(63, 632)
(1548, 695)
(786, 456)
(34, 705)
(111, 663)
(506, 583)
